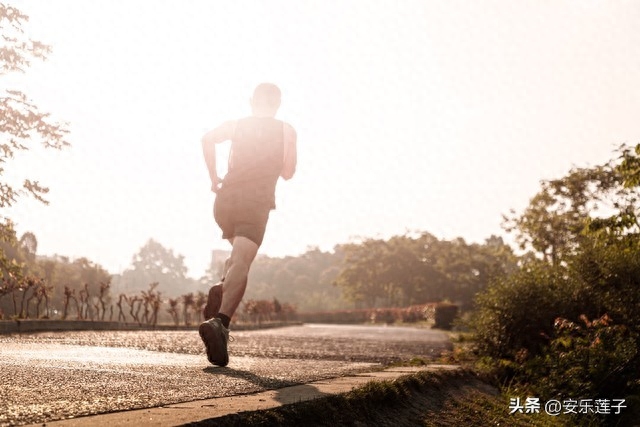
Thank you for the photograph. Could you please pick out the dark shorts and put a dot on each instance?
(238, 216)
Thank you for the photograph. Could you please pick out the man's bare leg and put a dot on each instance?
(243, 253)
(215, 331)
(214, 298)
(225, 268)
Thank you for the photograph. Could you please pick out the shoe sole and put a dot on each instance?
(214, 301)
(211, 339)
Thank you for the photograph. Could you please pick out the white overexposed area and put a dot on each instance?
(436, 116)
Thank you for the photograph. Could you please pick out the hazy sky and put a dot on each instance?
(436, 116)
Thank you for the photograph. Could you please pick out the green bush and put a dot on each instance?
(389, 315)
(591, 358)
(537, 326)
(516, 313)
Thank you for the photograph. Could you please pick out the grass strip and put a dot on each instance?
(443, 398)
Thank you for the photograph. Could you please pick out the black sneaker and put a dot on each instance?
(213, 302)
(215, 338)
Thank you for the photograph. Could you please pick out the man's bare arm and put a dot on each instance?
(290, 152)
(220, 134)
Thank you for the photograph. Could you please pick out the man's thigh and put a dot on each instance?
(252, 224)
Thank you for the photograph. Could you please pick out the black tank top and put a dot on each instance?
(256, 159)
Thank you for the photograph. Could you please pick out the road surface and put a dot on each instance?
(56, 375)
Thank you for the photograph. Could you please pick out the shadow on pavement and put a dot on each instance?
(266, 382)
(286, 391)
(298, 393)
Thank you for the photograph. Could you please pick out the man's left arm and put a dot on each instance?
(290, 152)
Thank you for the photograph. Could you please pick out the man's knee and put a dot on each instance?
(243, 252)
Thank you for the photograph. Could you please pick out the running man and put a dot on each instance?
(262, 150)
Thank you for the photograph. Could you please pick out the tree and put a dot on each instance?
(419, 268)
(625, 219)
(362, 277)
(104, 290)
(173, 310)
(155, 263)
(188, 307)
(11, 272)
(20, 120)
(21, 123)
(29, 245)
(553, 222)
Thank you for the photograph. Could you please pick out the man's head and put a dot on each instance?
(265, 100)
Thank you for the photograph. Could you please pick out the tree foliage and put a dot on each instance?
(304, 281)
(155, 263)
(21, 122)
(416, 269)
(551, 226)
(400, 271)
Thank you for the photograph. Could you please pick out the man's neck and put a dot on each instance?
(263, 114)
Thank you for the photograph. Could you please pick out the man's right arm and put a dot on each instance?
(220, 134)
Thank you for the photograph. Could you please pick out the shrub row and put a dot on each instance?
(443, 314)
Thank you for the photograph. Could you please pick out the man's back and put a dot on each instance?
(257, 153)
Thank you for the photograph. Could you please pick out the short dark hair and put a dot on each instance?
(267, 95)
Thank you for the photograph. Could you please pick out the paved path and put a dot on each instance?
(54, 376)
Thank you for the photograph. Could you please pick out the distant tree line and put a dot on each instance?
(54, 287)
(33, 286)
(401, 271)
(405, 270)
(419, 268)
(304, 281)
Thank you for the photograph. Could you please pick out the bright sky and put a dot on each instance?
(436, 116)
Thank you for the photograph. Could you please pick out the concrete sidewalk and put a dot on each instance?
(208, 409)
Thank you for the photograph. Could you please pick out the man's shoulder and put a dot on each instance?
(227, 125)
(288, 125)
(289, 131)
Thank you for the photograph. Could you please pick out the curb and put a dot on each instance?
(210, 409)
(47, 325)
